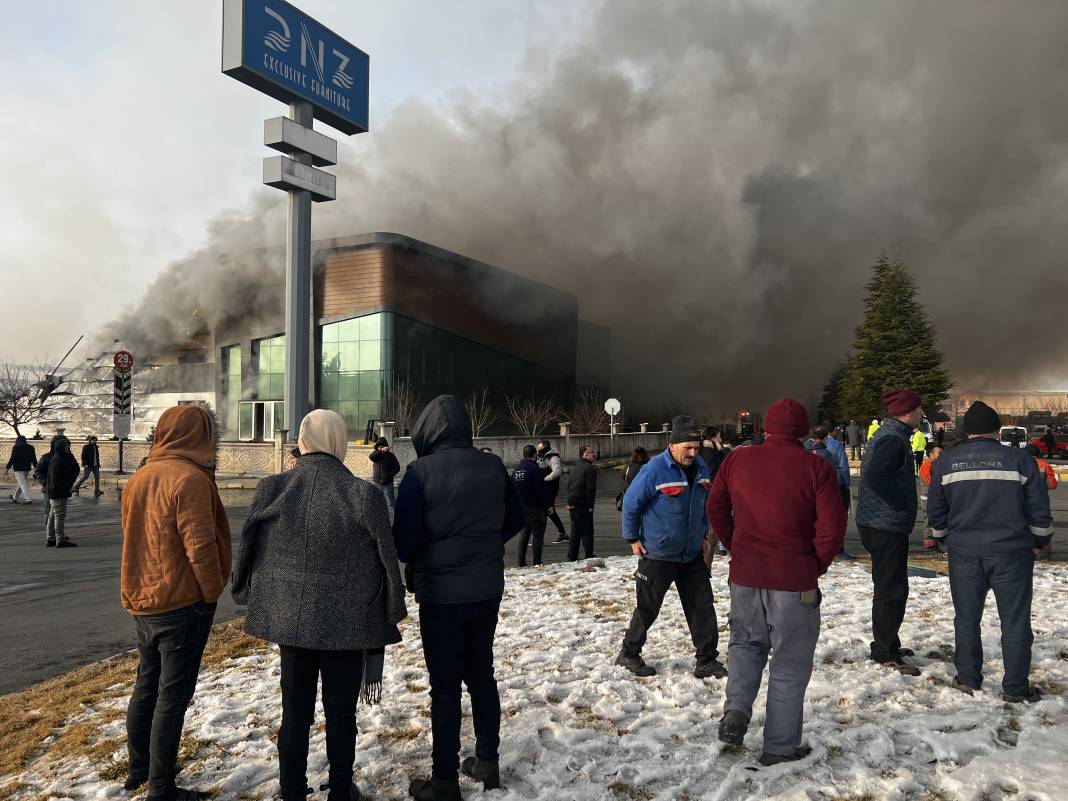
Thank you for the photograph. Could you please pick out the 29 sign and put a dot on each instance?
(124, 361)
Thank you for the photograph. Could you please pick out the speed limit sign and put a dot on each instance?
(124, 361)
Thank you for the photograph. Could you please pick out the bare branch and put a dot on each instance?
(479, 409)
(531, 416)
(400, 401)
(26, 393)
(588, 415)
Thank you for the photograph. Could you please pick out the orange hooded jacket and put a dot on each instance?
(176, 538)
(1051, 476)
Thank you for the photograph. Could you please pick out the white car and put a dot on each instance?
(1013, 436)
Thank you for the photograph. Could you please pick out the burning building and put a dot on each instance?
(389, 311)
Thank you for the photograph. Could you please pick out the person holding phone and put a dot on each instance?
(779, 512)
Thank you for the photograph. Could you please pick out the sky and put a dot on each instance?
(712, 178)
(125, 140)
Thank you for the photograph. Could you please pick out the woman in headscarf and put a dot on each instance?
(318, 570)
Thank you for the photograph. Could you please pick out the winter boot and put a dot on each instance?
(636, 665)
(352, 794)
(1033, 696)
(960, 686)
(488, 773)
(732, 727)
(50, 543)
(900, 665)
(711, 669)
(66, 544)
(767, 760)
(134, 783)
(435, 789)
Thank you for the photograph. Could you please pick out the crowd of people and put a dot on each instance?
(324, 571)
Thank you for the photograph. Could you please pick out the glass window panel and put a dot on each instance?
(387, 325)
(370, 326)
(278, 386)
(279, 415)
(371, 355)
(330, 332)
(331, 356)
(349, 330)
(246, 421)
(369, 410)
(370, 385)
(328, 388)
(349, 360)
(263, 385)
(278, 359)
(348, 387)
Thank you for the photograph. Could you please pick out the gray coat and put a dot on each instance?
(316, 563)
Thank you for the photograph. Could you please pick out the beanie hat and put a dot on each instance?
(981, 419)
(684, 429)
(900, 402)
(787, 417)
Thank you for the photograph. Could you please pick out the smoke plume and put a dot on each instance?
(714, 180)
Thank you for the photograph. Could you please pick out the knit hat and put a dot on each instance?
(900, 402)
(381, 442)
(684, 429)
(981, 419)
(787, 417)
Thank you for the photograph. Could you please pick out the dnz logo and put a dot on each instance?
(280, 41)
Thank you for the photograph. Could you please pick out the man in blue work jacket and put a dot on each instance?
(665, 522)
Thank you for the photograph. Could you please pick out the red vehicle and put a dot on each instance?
(1062, 446)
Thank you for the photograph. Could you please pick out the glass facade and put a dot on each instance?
(270, 368)
(231, 389)
(354, 367)
(360, 358)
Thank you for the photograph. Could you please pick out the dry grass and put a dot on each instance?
(30, 716)
(629, 792)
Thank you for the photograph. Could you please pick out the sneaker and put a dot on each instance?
(960, 686)
(98, 493)
(711, 669)
(489, 773)
(732, 727)
(767, 760)
(905, 652)
(50, 543)
(845, 556)
(433, 789)
(1033, 696)
(66, 544)
(560, 538)
(636, 665)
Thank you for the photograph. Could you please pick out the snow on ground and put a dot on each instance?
(577, 727)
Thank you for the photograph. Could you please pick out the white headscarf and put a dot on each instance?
(323, 431)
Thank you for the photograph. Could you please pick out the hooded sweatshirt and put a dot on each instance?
(176, 538)
(63, 470)
(456, 507)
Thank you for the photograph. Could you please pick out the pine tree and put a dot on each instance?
(830, 407)
(894, 346)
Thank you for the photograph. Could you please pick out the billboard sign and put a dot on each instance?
(284, 173)
(274, 47)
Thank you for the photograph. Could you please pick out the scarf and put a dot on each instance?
(374, 661)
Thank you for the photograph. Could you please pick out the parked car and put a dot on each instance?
(1014, 436)
(1062, 446)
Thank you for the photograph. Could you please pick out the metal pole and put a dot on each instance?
(120, 471)
(298, 290)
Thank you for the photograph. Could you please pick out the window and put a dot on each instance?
(270, 368)
(231, 390)
(354, 368)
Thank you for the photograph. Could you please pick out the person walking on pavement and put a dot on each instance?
(175, 564)
(638, 457)
(666, 524)
(22, 460)
(456, 509)
(886, 514)
(871, 430)
(534, 496)
(386, 467)
(780, 514)
(62, 473)
(1050, 441)
(318, 540)
(581, 497)
(919, 448)
(991, 506)
(552, 467)
(854, 437)
(90, 466)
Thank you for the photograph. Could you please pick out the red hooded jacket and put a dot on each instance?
(778, 510)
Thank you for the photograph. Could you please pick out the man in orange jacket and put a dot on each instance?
(175, 563)
(1044, 467)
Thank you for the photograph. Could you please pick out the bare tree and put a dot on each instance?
(480, 410)
(529, 415)
(588, 415)
(400, 401)
(27, 394)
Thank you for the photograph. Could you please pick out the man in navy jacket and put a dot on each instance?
(537, 504)
(665, 522)
(990, 504)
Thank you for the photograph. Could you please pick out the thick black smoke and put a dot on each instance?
(715, 179)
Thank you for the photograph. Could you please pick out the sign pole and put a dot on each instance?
(298, 288)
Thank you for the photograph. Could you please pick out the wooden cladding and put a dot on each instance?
(499, 309)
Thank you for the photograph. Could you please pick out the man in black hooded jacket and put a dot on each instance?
(456, 508)
(62, 473)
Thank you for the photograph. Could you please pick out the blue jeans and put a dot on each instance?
(390, 494)
(1010, 576)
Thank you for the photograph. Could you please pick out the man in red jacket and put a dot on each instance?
(778, 511)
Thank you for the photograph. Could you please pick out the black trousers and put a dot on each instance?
(458, 647)
(581, 531)
(654, 577)
(889, 573)
(341, 672)
(918, 456)
(170, 647)
(534, 528)
(553, 488)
